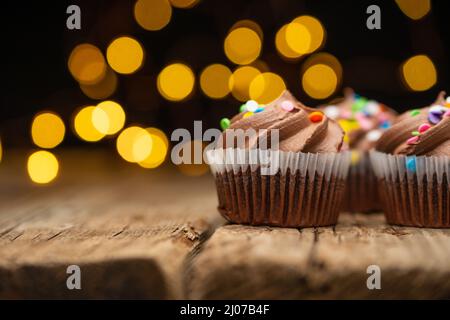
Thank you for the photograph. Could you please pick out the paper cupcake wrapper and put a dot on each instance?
(362, 188)
(414, 190)
(303, 189)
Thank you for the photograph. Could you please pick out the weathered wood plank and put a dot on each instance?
(128, 229)
(272, 263)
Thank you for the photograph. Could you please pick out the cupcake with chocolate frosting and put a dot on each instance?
(412, 163)
(288, 171)
(363, 121)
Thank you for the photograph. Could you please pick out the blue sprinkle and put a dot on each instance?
(385, 124)
(411, 164)
(259, 110)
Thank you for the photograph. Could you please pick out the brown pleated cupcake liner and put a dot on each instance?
(414, 191)
(306, 191)
(361, 188)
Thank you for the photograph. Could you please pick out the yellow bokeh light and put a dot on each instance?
(282, 46)
(134, 144)
(87, 64)
(47, 130)
(242, 45)
(176, 82)
(266, 87)
(240, 80)
(319, 81)
(84, 126)
(298, 38)
(115, 117)
(214, 81)
(184, 4)
(125, 55)
(102, 89)
(42, 167)
(160, 145)
(419, 73)
(414, 9)
(152, 14)
(315, 29)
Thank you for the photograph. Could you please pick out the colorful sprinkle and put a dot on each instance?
(411, 164)
(252, 105)
(437, 110)
(415, 133)
(259, 110)
(225, 123)
(364, 122)
(415, 112)
(243, 108)
(424, 127)
(447, 114)
(372, 108)
(385, 124)
(374, 135)
(316, 116)
(433, 118)
(412, 140)
(247, 114)
(287, 106)
(332, 112)
(359, 104)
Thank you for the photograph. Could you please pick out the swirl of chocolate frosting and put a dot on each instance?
(420, 132)
(298, 130)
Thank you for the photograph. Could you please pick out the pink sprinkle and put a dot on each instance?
(287, 105)
(447, 114)
(346, 114)
(365, 123)
(424, 127)
(412, 140)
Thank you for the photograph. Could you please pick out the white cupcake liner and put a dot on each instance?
(286, 189)
(414, 190)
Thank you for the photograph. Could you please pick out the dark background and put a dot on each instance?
(36, 45)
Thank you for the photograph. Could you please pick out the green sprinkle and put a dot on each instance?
(359, 104)
(415, 112)
(243, 108)
(415, 133)
(225, 123)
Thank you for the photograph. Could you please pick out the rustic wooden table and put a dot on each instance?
(157, 234)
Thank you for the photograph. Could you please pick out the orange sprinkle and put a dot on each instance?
(316, 116)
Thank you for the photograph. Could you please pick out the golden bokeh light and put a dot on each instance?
(319, 81)
(414, 9)
(282, 46)
(114, 121)
(42, 167)
(84, 126)
(125, 55)
(152, 14)
(242, 45)
(184, 4)
(102, 89)
(87, 64)
(214, 81)
(298, 38)
(160, 145)
(176, 82)
(266, 87)
(240, 80)
(134, 144)
(419, 73)
(47, 130)
(191, 169)
(316, 32)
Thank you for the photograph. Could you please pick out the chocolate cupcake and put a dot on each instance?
(364, 121)
(412, 164)
(290, 173)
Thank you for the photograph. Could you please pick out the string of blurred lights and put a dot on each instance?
(298, 41)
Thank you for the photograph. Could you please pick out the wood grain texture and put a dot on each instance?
(241, 262)
(156, 234)
(129, 230)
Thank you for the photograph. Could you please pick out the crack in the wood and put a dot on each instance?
(55, 235)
